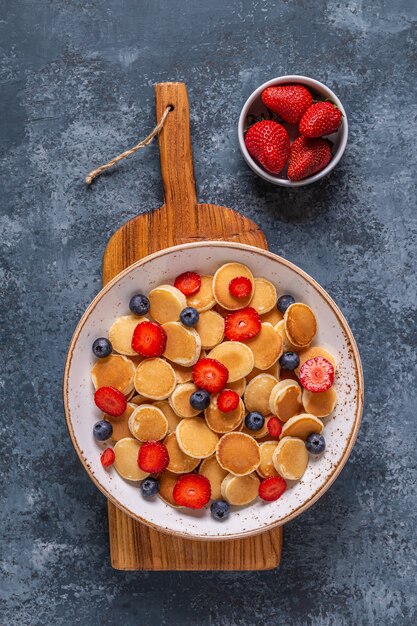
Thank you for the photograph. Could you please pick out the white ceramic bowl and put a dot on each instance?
(340, 429)
(254, 106)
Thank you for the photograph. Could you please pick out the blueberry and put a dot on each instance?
(189, 316)
(284, 302)
(102, 430)
(200, 400)
(102, 347)
(254, 420)
(139, 304)
(220, 509)
(289, 360)
(149, 487)
(315, 443)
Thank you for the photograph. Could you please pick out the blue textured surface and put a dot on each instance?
(76, 88)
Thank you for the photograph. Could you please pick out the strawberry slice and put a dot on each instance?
(210, 375)
(240, 287)
(317, 375)
(108, 457)
(153, 457)
(242, 325)
(149, 339)
(227, 401)
(188, 283)
(110, 401)
(272, 488)
(274, 427)
(192, 490)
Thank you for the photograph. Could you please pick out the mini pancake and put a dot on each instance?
(121, 333)
(172, 418)
(167, 482)
(155, 379)
(180, 400)
(285, 399)
(290, 458)
(167, 302)
(302, 426)
(137, 358)
(185, 374)
(264, 296)
(257, 434)
(215, 474)
(300, 324)
(210, 327)
(238, 453)
(195, 438)
(311, 353)
(179, 463)
(121, 424)
(272, 317)
(137, 399)
(240, 490)
(238, 386)
(183, 344)
(236, 356)
(203, 300)
(148, 423)
(258, 392)
(320, 404)
(114, 371)
(221, 311)
(266, 347)
(223, 422)
(266, 467)
(274, 370)
(287, 346)
(126, 459)
(221, 282)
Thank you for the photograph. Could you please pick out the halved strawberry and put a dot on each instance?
(210, 375)
(153, 457)
(227, 401)
(188, 283)
(242, 325)
(317, 375)
(274, 427)
(272, 488)
(107, 458)
(240, 287)
(192, 490)
(149, 339)
(110, 401)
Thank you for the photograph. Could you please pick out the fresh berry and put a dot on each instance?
(210, 375)
(107, 458)
(101, 347)
(200, 399)
(153, 457)
(289, 360)
(228, 400)
(289, 102)
(315, 443)
(274, 427)
(188, 283)
(149, 339)
(242, 325)
(272, 488)
(317, 375)
(268, 143)
(322, 118)
(240, 287)
(110, 401)
(192, 490)
(102, 430)
(220, 509)
(308, 156)
(284, 302)
(149, 487)
(139, 304)
(189, 316)
(254, 420)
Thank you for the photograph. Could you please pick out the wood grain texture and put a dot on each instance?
(135, 546)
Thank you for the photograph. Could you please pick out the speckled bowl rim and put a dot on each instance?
(358, 375)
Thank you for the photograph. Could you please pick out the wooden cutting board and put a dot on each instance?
(133, 545)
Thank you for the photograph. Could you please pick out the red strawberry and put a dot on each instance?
(227, 401)
(149, 339)
(153, 457)
(272, 488)
(317, 375)
(240, 287)
(242, 325)
(192, 490)
(110, 401)
(274, 427)
(289, 102)
(107, 458)
(188, 283)
(308, 156)
(210, 375)
(268, 143)
(322, 118)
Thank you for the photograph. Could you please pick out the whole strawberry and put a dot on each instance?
(307, 157)
(289, 102)
(269, 144)
(322, 118)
